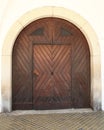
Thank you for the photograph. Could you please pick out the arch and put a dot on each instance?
(43, 12)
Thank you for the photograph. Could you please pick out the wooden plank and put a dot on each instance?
(52, 85)
(53, 51)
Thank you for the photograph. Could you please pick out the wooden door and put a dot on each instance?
(51, 66)
(52, 76)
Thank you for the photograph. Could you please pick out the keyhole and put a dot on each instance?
(52, 73)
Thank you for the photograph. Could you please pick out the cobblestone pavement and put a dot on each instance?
(59, 121)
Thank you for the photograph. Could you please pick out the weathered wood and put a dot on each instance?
(51, 66)
(52, 78)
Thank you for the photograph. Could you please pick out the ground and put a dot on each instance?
(58, 121)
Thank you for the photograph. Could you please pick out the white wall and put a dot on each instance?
(91, 10)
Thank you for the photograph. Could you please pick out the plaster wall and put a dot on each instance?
(92, 11)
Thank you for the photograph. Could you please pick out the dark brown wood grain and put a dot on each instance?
(52, 76)
(51, 66)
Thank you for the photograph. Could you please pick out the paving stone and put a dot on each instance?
(58, 121)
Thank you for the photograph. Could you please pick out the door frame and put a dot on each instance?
(50, 11)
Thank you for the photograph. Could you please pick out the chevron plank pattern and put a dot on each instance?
(52, 86)
(66, 121)
(51, 66)
(80, 63)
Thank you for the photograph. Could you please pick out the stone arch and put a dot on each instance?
(59, 12)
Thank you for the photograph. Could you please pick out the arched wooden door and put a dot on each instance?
(51, 66)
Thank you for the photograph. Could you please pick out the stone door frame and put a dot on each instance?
(58, 12)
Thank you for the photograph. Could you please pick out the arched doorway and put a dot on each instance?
(60, 12)
(51, 66)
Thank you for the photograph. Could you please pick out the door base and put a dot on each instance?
(26, 112)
